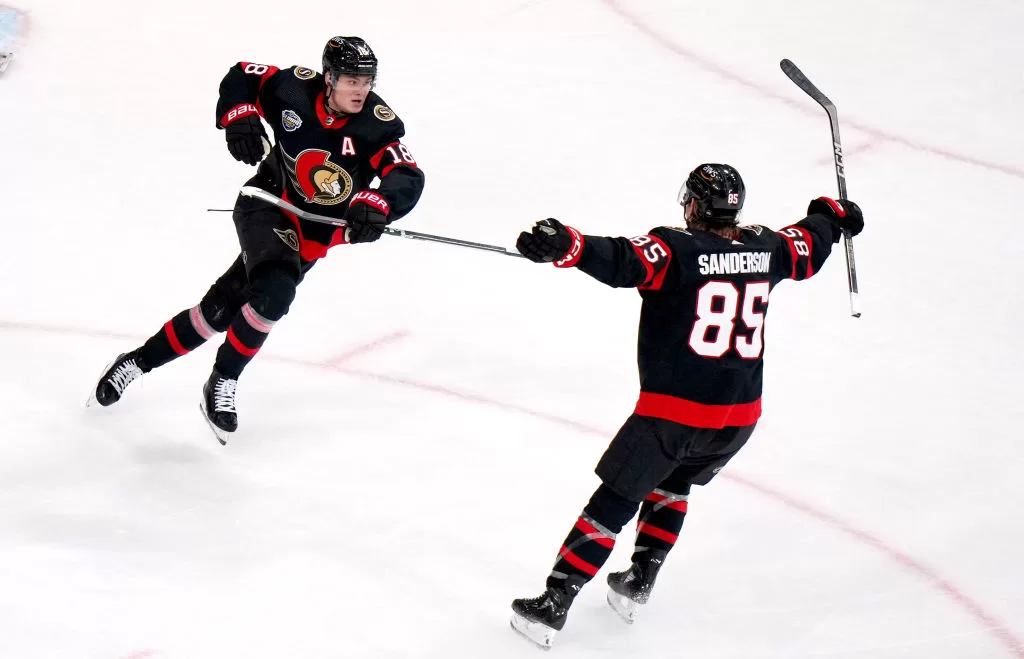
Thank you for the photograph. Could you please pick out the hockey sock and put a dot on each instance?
(661, 520)
(271, 293)
(179, 336)
(246, 335)
(592, 537)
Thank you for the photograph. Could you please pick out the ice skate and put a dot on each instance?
(115, 379)
(630, 589)
(538, 619)
(218, 405)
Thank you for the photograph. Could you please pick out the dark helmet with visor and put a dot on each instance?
(719, 192)
(348, 56)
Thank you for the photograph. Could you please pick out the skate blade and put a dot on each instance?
(535, 632)
(625, 607)
(91, 400)
(221, 435)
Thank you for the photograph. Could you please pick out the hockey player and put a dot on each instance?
(705, 295)
(333, 135)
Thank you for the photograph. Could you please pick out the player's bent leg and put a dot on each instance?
(271, 292)
(270, 256)
(706, 451)
(180, 335)
(640, 463)
(661, 519)
(584, 551)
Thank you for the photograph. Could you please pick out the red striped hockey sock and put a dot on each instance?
(584, 551)
(661, 520)
(179, 336)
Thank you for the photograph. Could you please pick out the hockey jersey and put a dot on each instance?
(320, 160)
(705, 298)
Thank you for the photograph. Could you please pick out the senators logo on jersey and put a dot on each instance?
(316, 178)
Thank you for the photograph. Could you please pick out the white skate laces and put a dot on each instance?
(123, 375)
(224, 395)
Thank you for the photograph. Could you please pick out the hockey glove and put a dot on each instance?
(366, 217)
(841, 212)
(551, 241)
(247, 140)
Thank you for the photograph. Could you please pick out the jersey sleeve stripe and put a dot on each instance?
(648, 266)
(809, 239)
(271, 70)
(792, 254)
(376, 158)
(655, 271)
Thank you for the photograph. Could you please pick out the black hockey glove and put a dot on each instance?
(551, 241)
(366, 217)
(841, 212)
(247, 140)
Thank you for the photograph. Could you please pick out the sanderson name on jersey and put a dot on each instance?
(734, 263)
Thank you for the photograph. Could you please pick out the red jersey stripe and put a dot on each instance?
(698, 415)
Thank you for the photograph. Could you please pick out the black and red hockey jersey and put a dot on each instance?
(705, 298)
(319, 160)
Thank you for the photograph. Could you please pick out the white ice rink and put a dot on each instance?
(419, 433)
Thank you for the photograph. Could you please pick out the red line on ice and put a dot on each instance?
(988, 621)
(367, 347)
(666, 42)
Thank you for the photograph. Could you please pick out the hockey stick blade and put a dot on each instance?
(263, 195)
(794, 73)
(798, 77)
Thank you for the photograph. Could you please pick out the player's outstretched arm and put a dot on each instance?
(617, 262)
(807, 244)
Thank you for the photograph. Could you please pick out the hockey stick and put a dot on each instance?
(797, 76)
(257, 193)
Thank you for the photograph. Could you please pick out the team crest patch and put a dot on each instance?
(316, 178)
(289, 238)
(384, 113)
(290, 120)
(302, 73)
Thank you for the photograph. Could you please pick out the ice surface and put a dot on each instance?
(419, 432)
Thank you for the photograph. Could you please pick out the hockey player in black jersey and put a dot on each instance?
(705, 294)
(332, 137)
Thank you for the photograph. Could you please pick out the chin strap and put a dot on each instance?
(327, 104)
(328, 90)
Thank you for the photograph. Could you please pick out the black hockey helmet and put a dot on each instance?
(348, 56)
(719, 192)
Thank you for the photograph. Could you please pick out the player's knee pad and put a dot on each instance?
(219, 306)
(610, 509)
(272, 290)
